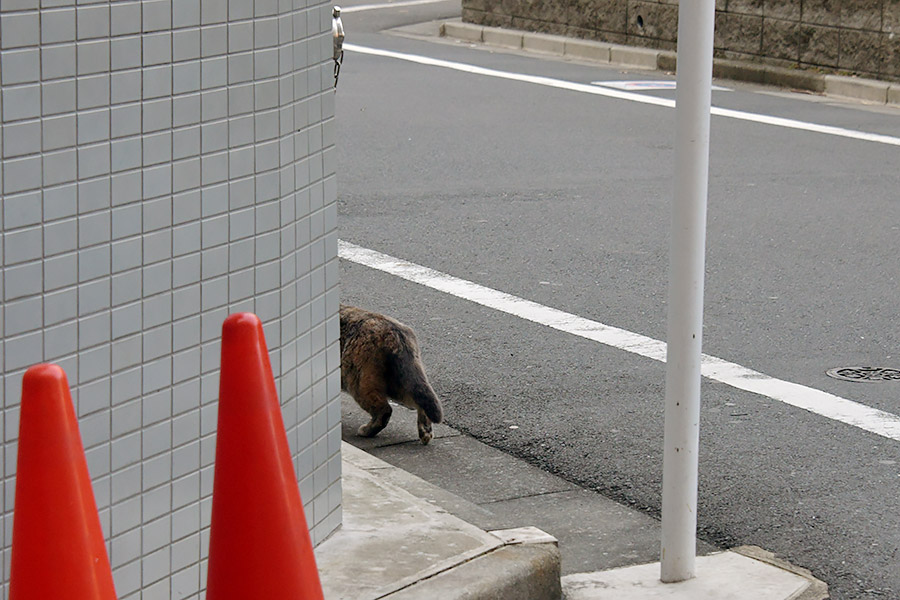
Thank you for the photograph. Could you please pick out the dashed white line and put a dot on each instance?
(630, 96)
(816, 401)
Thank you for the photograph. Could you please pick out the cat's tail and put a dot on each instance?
(415, 384)
(425, 398)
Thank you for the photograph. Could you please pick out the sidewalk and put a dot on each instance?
(458, 519)
(633, 57)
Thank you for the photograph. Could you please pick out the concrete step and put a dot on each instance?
(396, 545)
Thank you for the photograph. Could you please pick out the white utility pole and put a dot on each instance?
(686, 271)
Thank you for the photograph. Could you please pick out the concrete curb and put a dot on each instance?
(395, 544)
(512, 572)
(865, 90)
(862, 89)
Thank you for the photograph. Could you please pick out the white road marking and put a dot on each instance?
(624, 95)
(402, 3)
(645, 85)
(816, 401)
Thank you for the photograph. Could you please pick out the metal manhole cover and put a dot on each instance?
(864, 374)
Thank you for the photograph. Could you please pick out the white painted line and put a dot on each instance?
(362, 7)
(546, 81)
(630, 86)
(624, 95)
(647, 85)
(815, 401)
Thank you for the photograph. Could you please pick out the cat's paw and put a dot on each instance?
(367, 431)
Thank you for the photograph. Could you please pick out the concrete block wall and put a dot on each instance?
(860, 37)
(164, 164)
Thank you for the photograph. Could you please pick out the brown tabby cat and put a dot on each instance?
(380, 360)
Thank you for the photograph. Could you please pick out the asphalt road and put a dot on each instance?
(563, 198)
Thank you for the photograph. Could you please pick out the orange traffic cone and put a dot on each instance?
(259, 544)
(57, 542)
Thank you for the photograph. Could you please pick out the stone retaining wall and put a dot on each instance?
(850, 36)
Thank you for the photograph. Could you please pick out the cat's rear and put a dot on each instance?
(379, 360)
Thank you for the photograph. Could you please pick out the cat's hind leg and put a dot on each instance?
(376, 404)
(425, 434)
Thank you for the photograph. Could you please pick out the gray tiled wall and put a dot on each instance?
(164, 164)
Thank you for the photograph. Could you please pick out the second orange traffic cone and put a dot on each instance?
(57, 543)
(259, 543)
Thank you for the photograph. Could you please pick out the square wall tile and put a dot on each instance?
(23, 245)
(23, 351)
(157, 15)
(20, 66)
(186, 13)
(157, 49)
(93, 126)
(23, 316)
(60, 167)
(92, 57)
(213, 41)
(60, 272)
(185, 43)
(58, 26)
(22, 174)
(125, 17)
(58, 132)
(125, 52)
(93, 91)
(22, 210)
(21, 138)
(21, 102)
(92, 22)
(20, 29)
(213, 11)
